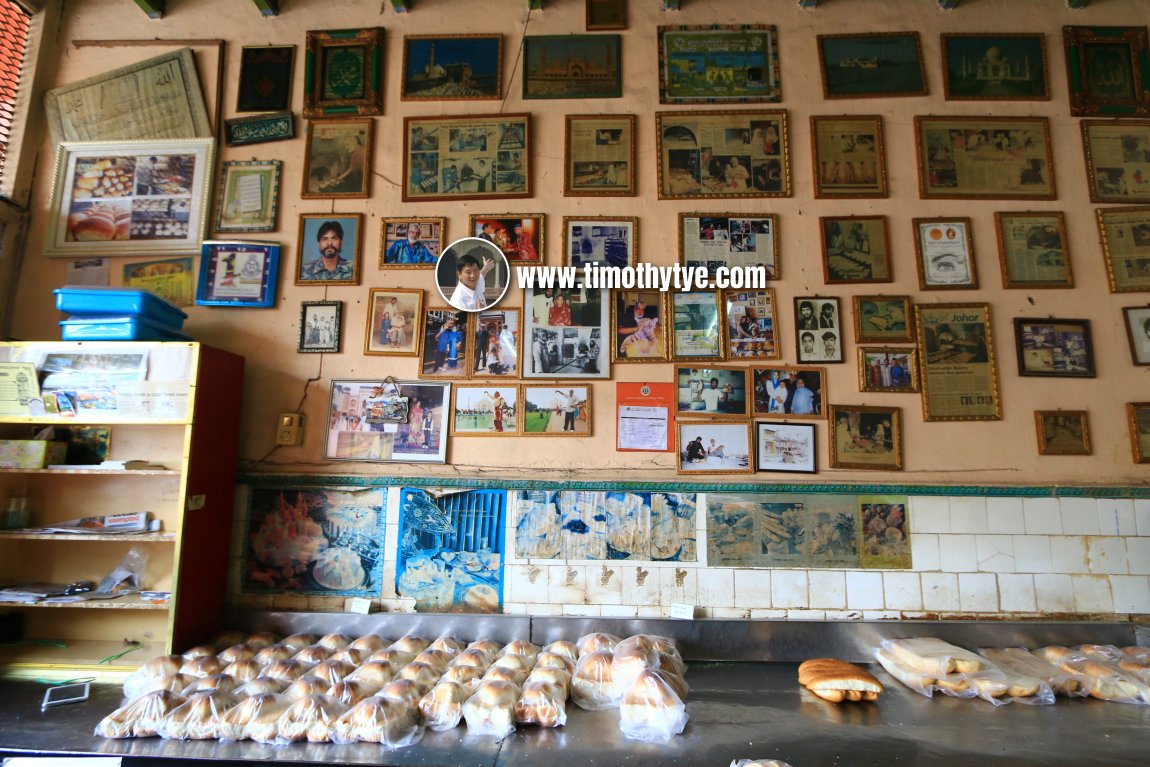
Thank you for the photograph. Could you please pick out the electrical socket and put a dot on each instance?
(289, 429)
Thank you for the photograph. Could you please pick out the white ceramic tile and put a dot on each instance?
(978, 592)
(1004, 516)
(677, 585)
(527, 583)
(968, 515)
(619, 611)
(716, 587)
(1138, 555)
(924, 551)
(864, 591)
(604, 584)
(789, 588)
(1054, 592)
(1042, 516)
(881, 615)
(1116, 517)
(929, 514)
(844, 615)
(902, 591)
(768, 615)
(1131, 593)
(639, 585)
(828, 589)
(806, 615)
(1068, 554)
(1016, 593)
(1032, 554)
(567, 584)
(586, 611)
(1142, 516)
(753, 588)
(514, 608)
(1079, 516)
(1092, 594)
(940, 591)
(730, 613)
(1107, 555)
(957, 553)
(995, 553)
(652, 611)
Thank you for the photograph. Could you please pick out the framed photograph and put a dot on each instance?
(550, 411)
(956, 362)
(752, 328)
(477, 285)
(1106, 70)
(495, 348)
(719, 64)
(600, 241)
(856, 250)
(994, 67)
(722, 154)
(446, 343)
(265, 78)
(789, 390)
(875, 65)
(696, 325)
(518, 235)
(128, 198)
(452, 68)
(343, 73)
(466, 157)
(1062, 432)
(1117, 160)
(329, 249)
(338, 159)
(566, 333)
(1138, 417)
(715, 392)
(888, 369)
(484, 410)
(866, 437)
(1033, 250)
(249, 194)
(572, 67)
(320, 326)
(944, 254)
(818, 329)
(713, 448)
(849, 158)
(411, 243)
(605, 14)
(393, 318)
(638, 326)
(238, 274)
(712, 240)
(259, 129)
(1126, 247)
(1054, 348)
(1138, 333)
(984, 158)
(785, 447)
(356, 433)
(599, 156)
(882, 319)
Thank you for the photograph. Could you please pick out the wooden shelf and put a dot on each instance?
(130, 602)
(125, 538)
(100, 472)
(76, 655)
(93, 421)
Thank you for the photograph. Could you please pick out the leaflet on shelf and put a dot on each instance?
(112, 524)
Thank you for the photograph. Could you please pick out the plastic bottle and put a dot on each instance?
(16, 512)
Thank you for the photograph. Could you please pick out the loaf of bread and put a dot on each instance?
(221, 682)
(306, 685)
(924, 684)
(233, 725)
(933, 656)
(261, 639)
(555, 660)
(595, 642)
(491, 709)
(391, 723)
(313, 654)
(489, 647)
(593, 687)
(505, 674)
(1106, 682)
(374, 673)
(1017, 661)
(442, 706)
(205, 665)
(332, 671)
(350, 656)
(261, 685)
(410, 644)
(236, 652)
(334, 642)
(837, 680)
(349, 693)
(541, 703)
(299, 641)
(423, 675)
(565, 648)
(466, 676)
(473, 657)
(450, 646)
(311, 718)
(403, 690)
(286, 670)
(650, 711)
(243, 670)
(197, 718)
(514, 662)
(520, 647)
(140, 717)
(368, 643)
(437, 659)
(272, 653)
(560, 678)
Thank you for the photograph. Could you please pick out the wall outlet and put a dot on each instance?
(289, 429)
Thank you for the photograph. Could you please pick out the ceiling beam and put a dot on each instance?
(154, 8)
(268, 7)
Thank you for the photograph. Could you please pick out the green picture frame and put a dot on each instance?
(719, 64)
(1107, 70)
(572, 67)
(248, 197)
(343, 73)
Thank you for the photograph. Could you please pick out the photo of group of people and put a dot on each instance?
(520, 237)
(866, 437)
(718, 392)
(751, 325)
(461, 157)
(565, 331)
(714, 448)
(714, 240)
(445, 344)
(793, 391)
(819, 330)
(384, 421)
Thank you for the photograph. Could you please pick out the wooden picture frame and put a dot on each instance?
(1062, 432)
(602, 15)
(548, 412)
(445, 350)
(484, 363)
(818, 329)
(944, 254)
(518, 235)
(397, 249)
(568, 341)
(855, 250)
(1117, 160)
(734, 440)
(265, 78)
(1126, 247)
(1137, 321)
(1138, 421)
(1107, 70)
(712, 240)
(883, 319)
(238, 273)
(318, 237)
(786, 447)
(248, 196)
(722, 154)
(1000, 66)
(715, 392)
(599, 156)
(125, 198)
(485, 410)
(600, 241)
(866, 437)
(696, 326)
(888, 369)
(337, 160)
(452, 68)
(343, 73)
(572, 67)
(383, 335)
(984, 158)
(1033, 250)
(422, 439)
(957, 364)
(849, 157)
(466, 157)
(1054, 348)
(752, 324)
(639, 326)
(778, 391)
(719, 64)
(871, 65)
(320, 327)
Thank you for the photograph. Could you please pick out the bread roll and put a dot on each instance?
(164, 665)
(596, 641)
(1108, 683)
(368, 643)
(260, 640)
(442, 706)
(272, 653)
(473, 657)
(202, 666)
(332, 671)
(286, 670)
(437, 659)
(200, 651)
(593, 687)
(220, 682)
(261, 685)
(298, 641)
(491, 709)
(633, 656)
(141, 717)
(351, 657)
(829, 675)
(930, 655)
(1057, 654)
(520, 647)
(675, 682)
(422, 675)
(91, 228)
(503, 674)
(305, 686)
(172, 683)
(403, 690)
(243, 670)
(1137, 654)
(197, 718)
(450, 646)
(396, 658)
(466, 676)
(514, 662)
(334, 642)
(567, 649)
(650, 711)
(311, 718)
(555, 660)
(264, 726)
(349, 693)
(313, 654)
(558, 677)
(391, 723)
(488, 647)
(236, 652)
(543, 704)
(1017, 661)
(374, 674)
(234, 723)
(924, 684)
(410, 644)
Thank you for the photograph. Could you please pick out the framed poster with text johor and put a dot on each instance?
(958, 369)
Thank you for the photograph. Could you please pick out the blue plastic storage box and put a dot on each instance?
(118, 329)
(119, 302)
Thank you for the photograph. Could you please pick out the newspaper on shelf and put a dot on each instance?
(112, 524)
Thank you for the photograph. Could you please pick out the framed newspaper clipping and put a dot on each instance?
(722, 154)
(1126, 247)
(1117, 160)
(984, 158)
(956, 356)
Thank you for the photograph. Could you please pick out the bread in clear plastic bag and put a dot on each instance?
(541, 703)
(286, 670)
(410, 643)
(375, 673)
(632, 656)
(222, 682)
(332, 670)
(205, 665)
(391, 723)
(197, 718)
(466, 676)
(140, 717)
(261, 639)
(565, 648)
(514, 662)
(442, 706)
(350, 656)
(369, 643)
(1018, 660)
(299, 641)
(489, 647)
(933, 656)
(504, 674)
(437, 659)
(559, 677)
(236, 652)
(200, 651)
(396, 658)
(520, 647)
(491, 709)
(313, 654)
(448, 645)
(160, 666)
(233, 725)
(423, 675)
(650, 711)
(243, 671)
(596, 641)
(402, 689)
(350, 693)
(306, 685)
(272, 653)
(473, 657)
(676, 682)
(334, 642)
(555, 660)
(592, 686)
(311, 718)
(923, 684)
(227, 638)
(1104, 681)
(1021, 687)
(261, 685)
(171, 682)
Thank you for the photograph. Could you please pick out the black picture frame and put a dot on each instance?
(320, 326)
(265, 78)
(1054, 348)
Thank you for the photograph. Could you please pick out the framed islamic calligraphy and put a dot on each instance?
(1106, 69)
(344, 73)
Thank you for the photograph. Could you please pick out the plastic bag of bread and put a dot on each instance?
(503, 674)
(205, 665)
(298, 641)
(402, 690)
(632, 656)
(1134, 664)
(197, 718)
(837, 680)
(676, 682)
(243, 670)
(543, 704)
(560, 678)
(473, 657)
(313, 654)
(924, 684)
(442, 706)
(489, 647)
(592, 686)
(565, 648)
(334, 642)
(141, 717)
(595, 642)
(520, 647)
(272, 653)
(410, 643)
(933, 656)
(236, 652)
(1103, 680)
(172, 683)
(260, 640)
(353, 658)
(1016, 660)
(437, 659)
(306, 685)
(491, 709)
(368, 643)
(650, 710)
(396, 658)
(466, 676)
(200, 651)
(331, 670)
(221, 682)
(227, 638)
(514, 662)
(374, 673)
(555, 660)
(389, 722)
(311, 718)
(163, 665)
(1139, 655)
(423, 675)
(450, 646)
(350, 693)
(233, 725)
(286, 670)
(261, 685)
(1021, 687)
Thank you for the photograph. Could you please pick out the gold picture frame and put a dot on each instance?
(1117, 160)
(957, 367)
(1033, 250)
(883, 319)
(849, 157)
(477, 400)
(499, 319)
(1138, 420)
(337, 160)
(397, 251)
(866, 437)
(466, 157)
(888, 369)
(723, 154)
(752, 324)
(1126, 247)
(600, 241)
(383, 336)
(1062, 432)
(550, 413)
(599, 156)
(639, 337)
(984, 158)
(944, 253)
(714, 392)
(735, 440)
(730, 239)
